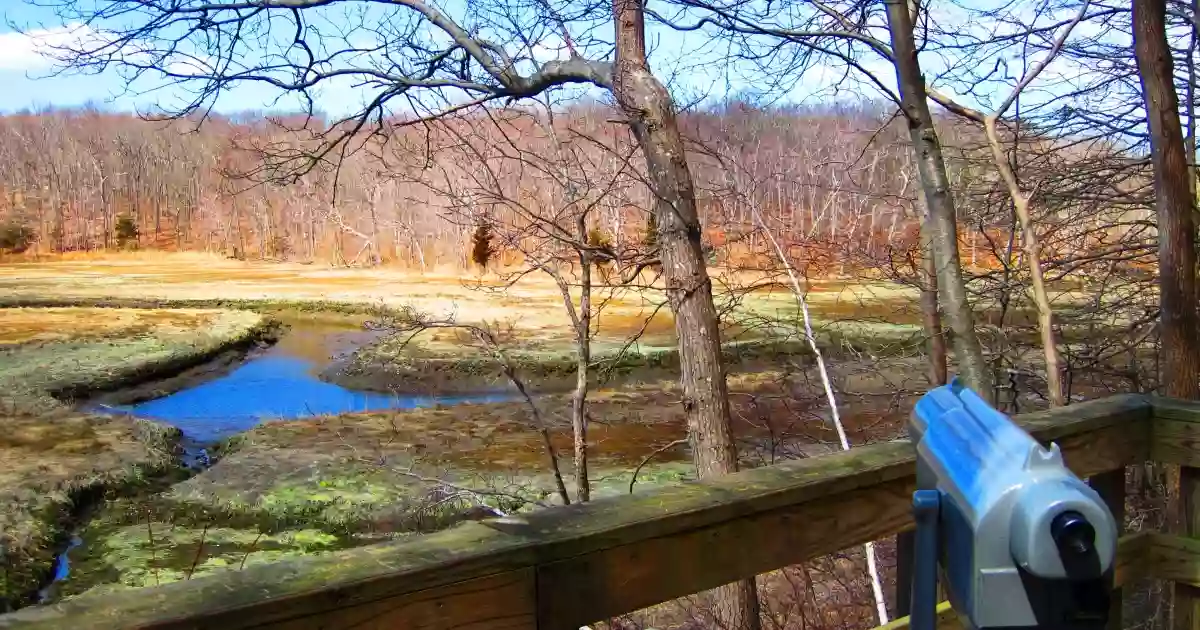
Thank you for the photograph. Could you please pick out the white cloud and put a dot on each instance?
(35, 49)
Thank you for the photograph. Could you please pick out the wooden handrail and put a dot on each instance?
(563, 567)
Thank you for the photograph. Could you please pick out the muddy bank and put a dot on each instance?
(315, 336)
(56, 467)
(57, 461)
(211, 368)
(39, 376)
(448, 364)
(307, 486)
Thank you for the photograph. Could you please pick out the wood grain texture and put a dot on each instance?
(1175, 438)
(1186, 612)
(500, 602)
(1175, 442)
(591, 560)
(1175, 432)
(1174, 558)
(622, 579)
(1111, 488)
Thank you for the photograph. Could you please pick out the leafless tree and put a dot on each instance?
(846, 33)
(544, 207)
(411, 323)
(437, 63)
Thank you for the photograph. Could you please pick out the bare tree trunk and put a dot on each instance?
(1033, 258)
(1173, 204)
(1189, 140)
(968, 353)
(583, 341)
(931, 315)
(651, 116)
(1178, 349)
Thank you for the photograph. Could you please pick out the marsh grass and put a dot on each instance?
(54, 466)
(56, 462)
(45, 376)
(26, 325)
(308, 486)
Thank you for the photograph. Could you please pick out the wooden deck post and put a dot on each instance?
(1175, 439)
(1187, 597)
(1111, 488)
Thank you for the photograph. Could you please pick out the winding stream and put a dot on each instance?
(271, 387)
(278, 382)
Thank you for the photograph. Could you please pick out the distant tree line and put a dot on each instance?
(81, 180)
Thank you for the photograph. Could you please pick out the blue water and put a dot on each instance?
(62, 569)
(271, 387)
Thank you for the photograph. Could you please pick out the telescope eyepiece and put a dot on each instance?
(1073, 535)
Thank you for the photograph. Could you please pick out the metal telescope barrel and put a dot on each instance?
(1020, 540)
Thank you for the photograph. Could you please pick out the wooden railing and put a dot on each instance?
(561, 568)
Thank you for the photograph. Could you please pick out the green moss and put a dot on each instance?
(44, 490)
(151, 553)
(57, 461)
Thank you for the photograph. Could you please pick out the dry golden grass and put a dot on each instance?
(140, 255)
(21, 325)
(533, 307)
(59, 453)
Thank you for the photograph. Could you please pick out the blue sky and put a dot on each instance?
(29, 81)
(24, 74)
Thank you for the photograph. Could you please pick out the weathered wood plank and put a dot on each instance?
(1175, 438)
(1174, 408)
(1111, 487)
(1175, 441)
(628, 551)
(1131, 565)
(630, 577)
(1186, 612)
(1175, 432)
(1174, 558)
(297, 588)
(499, 602)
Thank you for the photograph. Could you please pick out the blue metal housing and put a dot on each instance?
(998, 487)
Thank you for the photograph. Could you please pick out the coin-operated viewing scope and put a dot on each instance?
(1021, 541)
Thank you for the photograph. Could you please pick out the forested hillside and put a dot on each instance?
(835, 182)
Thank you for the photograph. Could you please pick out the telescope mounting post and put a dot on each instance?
(923, 610)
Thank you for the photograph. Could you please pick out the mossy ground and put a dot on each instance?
(54, 458)
(119, 553)
(303, 487)
(362, 478)
(52, 463)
